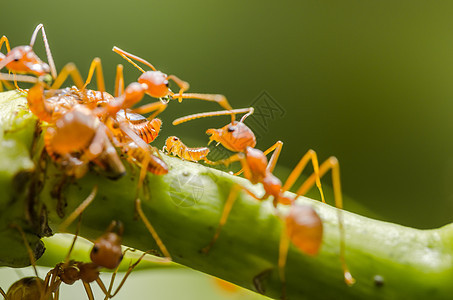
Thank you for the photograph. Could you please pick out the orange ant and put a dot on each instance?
(22, 59)
(175, 146)
(156, 84)
(237, 137)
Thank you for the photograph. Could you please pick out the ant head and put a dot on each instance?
(304, 228)
(157, 83)
(235, 136)
(106, 251)
(22, 59)
(25, 288)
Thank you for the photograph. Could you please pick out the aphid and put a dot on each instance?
(175, 146)
(22, 59)
(156, 84)
(147, 130)
(236, 136)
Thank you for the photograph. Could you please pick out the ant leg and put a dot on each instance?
(233, 158)
(128, 272)
(157, 107)
(119, 81)
(69, 69)
(226, 211)
(53, 70)
(160, 244)
(220, 99)
(333, 165)
(79, 210)
(127, 56)
(183, 85)
(87, 287)
(3, 293)
(277, 148)
(310, 155)
(229, 203)
(66, 260)
(96, 65)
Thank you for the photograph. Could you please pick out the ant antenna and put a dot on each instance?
(126, 56)
(249, 111)
(53, 70)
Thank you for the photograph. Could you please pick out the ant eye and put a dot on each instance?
(95, 249)
(16, 59)
(175, 139)
(231, 129)
(167, 84)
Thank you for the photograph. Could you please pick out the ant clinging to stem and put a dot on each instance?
(303, 225)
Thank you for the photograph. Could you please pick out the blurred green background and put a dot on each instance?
(366, 81)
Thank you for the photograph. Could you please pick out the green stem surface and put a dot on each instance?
(387, 260)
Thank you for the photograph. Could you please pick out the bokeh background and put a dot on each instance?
(367, 81)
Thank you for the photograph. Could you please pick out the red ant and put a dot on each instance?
(156, 84)
(305, 233)
(22, 59)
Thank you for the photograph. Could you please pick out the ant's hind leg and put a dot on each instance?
(79, 210)
(156, 107)
(333, 165)
(309, 156)
(119, 81)
(96, 65)
(160, 244)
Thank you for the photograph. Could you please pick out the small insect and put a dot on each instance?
(22, 59)
(237, 137)
(175, 146)
(147, 130)
(156, 84)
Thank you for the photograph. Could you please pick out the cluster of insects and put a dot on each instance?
(85, 128)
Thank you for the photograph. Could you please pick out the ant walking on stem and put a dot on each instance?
(302, 225)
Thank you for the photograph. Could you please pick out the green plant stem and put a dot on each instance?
(387, 260)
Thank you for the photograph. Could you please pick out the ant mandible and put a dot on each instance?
(238, 137)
